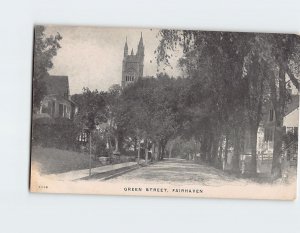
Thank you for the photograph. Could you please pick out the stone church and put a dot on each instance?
(133, 64)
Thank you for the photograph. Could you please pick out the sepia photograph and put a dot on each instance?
(164, 112)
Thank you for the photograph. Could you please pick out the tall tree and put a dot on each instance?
(45, 48)
(280, 52)
(255, 96)
(215, 61)
(91, 109)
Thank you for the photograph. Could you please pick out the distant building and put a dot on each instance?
(133, 64)
(57, 102)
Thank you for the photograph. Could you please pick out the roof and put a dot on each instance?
(292, 104)
(57, 85)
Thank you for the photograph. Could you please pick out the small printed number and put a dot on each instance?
(43, 186)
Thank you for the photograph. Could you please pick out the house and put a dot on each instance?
(291, 118)
(265, 134)
(57, 102)
(290, 123)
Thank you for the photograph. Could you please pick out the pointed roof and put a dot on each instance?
(126, 46)
(57, 85)
(141, 40)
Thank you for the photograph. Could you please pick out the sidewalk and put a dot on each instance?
(79, 174)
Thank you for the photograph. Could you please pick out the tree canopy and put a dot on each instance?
(228, 78)
(45, 48)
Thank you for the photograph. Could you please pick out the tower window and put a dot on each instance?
(129, 78)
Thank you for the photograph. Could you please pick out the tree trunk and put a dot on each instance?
(139, 151)
(110, 144)
(203, 147)
(135, 145)
(220, 148)
(279, 107)
(225, 152)
(146, 151)
(153, 152)
(236, 153)
(276, 165)
(215, 147)
(163, 147)
(159, 151)
(116, 144)
(171, 148)
(107, 143)
(253, 140)
(209, 148)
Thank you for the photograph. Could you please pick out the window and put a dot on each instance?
(61, 110)
(292, 130)
(296, 131)
(45, 107)
(271, 115)
(53, 108)
(289, 129)
(65, 111)
(129, 78)
(82, 137)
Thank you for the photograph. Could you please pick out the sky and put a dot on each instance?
(92, 56)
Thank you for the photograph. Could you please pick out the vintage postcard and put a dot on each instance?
(157, 112)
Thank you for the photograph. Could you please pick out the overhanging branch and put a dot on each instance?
(294, 80)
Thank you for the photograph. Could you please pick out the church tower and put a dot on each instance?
(133, 64)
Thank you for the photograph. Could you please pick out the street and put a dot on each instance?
(179, 171)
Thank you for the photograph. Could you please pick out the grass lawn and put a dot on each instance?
(52, 160)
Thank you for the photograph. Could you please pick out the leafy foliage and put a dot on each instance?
(45, 48)
(232, 75)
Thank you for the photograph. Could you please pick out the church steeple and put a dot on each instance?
(141, 40)
(133, 63)
(141, 46)
(126, 48)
